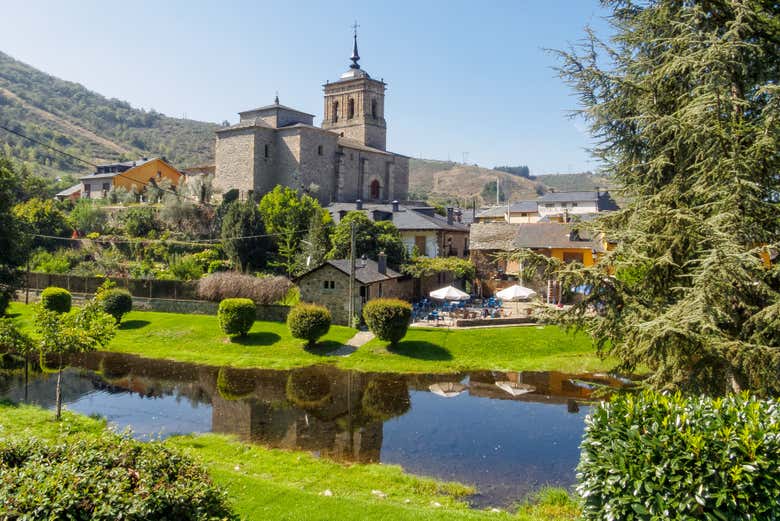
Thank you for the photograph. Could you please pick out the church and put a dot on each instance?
(344, 160)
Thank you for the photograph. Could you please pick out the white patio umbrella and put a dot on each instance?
(447, 389)
(516, 292)
(449, 293)
(515, 388)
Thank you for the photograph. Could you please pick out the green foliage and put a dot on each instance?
(87, 217)
(488, 193)
(47, 262)
(14, 246)
(236, 384)
(12, 339)
(664, 456)
(56, 299)
(309, 322)
(185, 267)
(388, 318)
(522, 171)
(42, 217)
(116, 302)
(683, 104)
(370, 239)
(287, 214)
(316, 245)
(104, 478)
(427, 266)
(140, 221)
(236, 316)
(242, 236)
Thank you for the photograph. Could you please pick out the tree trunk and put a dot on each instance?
(58, 414)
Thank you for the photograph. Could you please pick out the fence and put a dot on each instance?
(143, 288)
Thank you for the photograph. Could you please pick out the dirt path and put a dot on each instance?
(67, 125)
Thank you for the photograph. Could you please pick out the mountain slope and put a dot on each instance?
(70, 117)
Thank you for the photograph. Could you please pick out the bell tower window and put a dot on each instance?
(335, 115)
(373, 109)
(374, 189)
(350, 108)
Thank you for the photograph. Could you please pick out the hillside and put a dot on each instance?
(70, 117)
(444, 180)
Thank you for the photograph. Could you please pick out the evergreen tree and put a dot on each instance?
(685, 107)
(316, 245)
(242, 236)
(14, 245)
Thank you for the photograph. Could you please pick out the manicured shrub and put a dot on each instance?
(104, 478)
(309, 322)
(661, 456)
(236, 316)
(388, 318)
(231, 284)
(56, 299)
(116, 302)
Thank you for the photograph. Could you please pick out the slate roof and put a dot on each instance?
(405, 219)
(69, 191)
(508, 237)
(494, 211)
(275, 106)
(365, 275)
(357, 145)
(524, 206)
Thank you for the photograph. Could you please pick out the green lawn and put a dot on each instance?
(275, 484)
(197, 338)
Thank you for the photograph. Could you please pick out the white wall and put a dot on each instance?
(573, 207)
(431, 245)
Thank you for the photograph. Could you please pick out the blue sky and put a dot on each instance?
(462, 76)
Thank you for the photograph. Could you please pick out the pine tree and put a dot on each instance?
(685, 108)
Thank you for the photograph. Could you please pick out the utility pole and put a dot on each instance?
(498, 190)
(351, 307)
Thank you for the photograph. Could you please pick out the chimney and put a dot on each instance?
(359, 204)
(381, 262)
(395, 205)
(598, 191)
(459, 215)
(450, 214)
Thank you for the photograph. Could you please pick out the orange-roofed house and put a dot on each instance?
(134, 176)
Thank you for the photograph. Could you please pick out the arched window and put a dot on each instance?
(373, 108)
(335, 116)
(351, 108)
(374, 189)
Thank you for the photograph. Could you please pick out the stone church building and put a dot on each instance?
(342, 161)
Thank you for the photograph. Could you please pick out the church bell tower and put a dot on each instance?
(355, 105)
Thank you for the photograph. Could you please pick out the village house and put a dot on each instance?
(328, 285)
(422, 230)
(134, 176)
(550, 207)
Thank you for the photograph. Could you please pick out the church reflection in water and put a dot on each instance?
(333, 413)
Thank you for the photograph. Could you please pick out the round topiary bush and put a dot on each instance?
(309, 322)
(388, 318)
(236, 316)
(667, 456)
(56, 299)
(117, 303)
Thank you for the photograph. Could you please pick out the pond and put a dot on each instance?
(507, 433)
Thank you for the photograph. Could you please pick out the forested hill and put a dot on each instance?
(73, 118)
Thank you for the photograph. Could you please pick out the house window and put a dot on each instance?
(373, 108)
(329, 284)
(350, 108)
(335, 113)
(548, 205)
(375, 188)
(265, 150)
(364, 294)
(159, 174)
(319, 150)
(381, 293)
(87, 189)
(573, 205)
(419, 244)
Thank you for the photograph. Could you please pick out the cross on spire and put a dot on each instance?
(355, 56)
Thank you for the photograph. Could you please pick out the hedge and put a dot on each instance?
(309, 322)
(56, 299)
(104, 479)
(117, 303)
(388, 318)
(664, 456)
(236, 316)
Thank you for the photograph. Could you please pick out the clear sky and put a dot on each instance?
(463, 76)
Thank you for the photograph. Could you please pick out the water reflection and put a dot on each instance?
(506, 432)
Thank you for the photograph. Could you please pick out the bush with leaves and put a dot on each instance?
(140, 221)
(665, 456)
(388, 318)
(14, 244)
(56, 299)
(236, 316)
(115, 301)
(87, 217)
(104, 478)
(309, 322)
(262, 290)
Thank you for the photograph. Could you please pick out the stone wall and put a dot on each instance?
(234, 156)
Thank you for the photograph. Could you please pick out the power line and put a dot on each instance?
(118, 174)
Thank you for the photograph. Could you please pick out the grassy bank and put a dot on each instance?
(275, 484)
(197, 338)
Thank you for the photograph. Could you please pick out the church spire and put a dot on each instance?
(355, 56)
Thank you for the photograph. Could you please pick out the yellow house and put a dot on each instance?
(134, 176)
